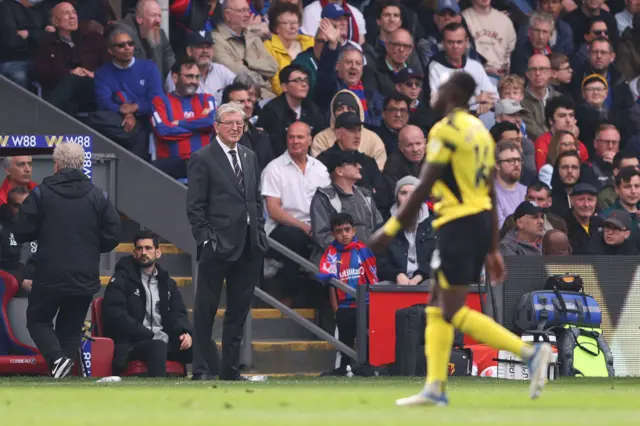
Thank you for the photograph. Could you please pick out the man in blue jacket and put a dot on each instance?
(125, 88)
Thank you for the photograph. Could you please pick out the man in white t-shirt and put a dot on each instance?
(311, 16)
(288, 185)
(494, 36)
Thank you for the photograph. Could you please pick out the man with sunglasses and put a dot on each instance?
(409, 82)
(597, 28)
(182, 120)
(124, 89)
(579, 20)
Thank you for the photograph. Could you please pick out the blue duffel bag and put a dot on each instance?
(541, 310)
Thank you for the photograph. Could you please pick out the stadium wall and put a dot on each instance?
(614, 281)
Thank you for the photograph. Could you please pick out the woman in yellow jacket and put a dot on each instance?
(286, 42)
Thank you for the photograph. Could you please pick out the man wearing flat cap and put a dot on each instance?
(348, 129)
(343, 196)
(525, 238)
(583, 225)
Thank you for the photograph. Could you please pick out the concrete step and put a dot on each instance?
(271, 324)
(290, 356)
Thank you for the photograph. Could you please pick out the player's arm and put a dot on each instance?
(495, 233)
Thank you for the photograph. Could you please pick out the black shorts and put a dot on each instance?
(462, 246)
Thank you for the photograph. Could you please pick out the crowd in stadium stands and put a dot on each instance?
(336, 98)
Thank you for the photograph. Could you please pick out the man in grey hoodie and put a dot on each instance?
(525, 238)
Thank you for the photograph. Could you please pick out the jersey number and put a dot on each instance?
(482, 174)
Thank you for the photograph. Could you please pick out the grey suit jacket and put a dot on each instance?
(216, 207)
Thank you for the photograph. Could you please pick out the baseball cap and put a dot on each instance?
(334, 12)
(338, 158)
(348, 120)
(584, 188)
(508, 107)
(407, 73)
(526, 208)
(594, 77)
(620, 219)
(452, 5)
(194, 38)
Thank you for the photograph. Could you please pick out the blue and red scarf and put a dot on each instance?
(358, 90)
(353, 264)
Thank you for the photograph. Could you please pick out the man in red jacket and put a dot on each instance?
(65, 62)
(560, 114)
(18, 171)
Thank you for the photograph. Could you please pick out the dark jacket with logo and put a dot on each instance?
(73, 222)
(124, 305)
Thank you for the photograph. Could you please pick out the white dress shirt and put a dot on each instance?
(283, 179)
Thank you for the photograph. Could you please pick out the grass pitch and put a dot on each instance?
(313, 401)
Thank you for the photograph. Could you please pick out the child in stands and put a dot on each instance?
(351, 262)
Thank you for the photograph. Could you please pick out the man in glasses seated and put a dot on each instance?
(125, 88)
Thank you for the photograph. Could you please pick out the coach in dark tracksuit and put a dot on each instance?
(73, 222)
(145, 316)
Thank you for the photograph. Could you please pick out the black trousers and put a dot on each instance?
(300, 243)
(43, 306)
(155, 354)
(73, 94)
(241, 276)
(346, 321)
(109, 123)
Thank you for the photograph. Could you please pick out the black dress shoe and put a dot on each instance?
(203, 376)
(241, 378)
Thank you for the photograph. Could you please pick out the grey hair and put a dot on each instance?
(544, 17)
(68, 155)
(118, 30)
(247, 79)
(7, 162)
(228, 108)
(349, 48)
(140, 6)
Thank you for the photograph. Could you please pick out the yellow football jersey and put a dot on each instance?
(463, 144)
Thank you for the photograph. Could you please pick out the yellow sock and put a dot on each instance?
(484, 329)
(438, 342)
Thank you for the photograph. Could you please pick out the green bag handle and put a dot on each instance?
(586, 333)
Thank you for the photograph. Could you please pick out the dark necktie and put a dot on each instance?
(236, 168)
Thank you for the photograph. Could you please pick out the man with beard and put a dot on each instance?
(182, 120)
(509, 191)
(567, 172)
(524, 239)
(582, 223)
(628, 189)
(213, 77)
(150, 40)
(143, 311)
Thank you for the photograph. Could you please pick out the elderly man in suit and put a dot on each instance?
(225, 210)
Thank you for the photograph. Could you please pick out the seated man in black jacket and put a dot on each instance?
(12, 259)
(143, 311)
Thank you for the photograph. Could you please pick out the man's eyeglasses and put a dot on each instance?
(397, 45)
(535, 70)
(600, 33)
(232, 123)
(242, 11)
(300, 81)
(595, 89)
(124, 44)
(511, 161)
(394, 111)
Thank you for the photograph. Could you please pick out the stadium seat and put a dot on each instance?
(16, 357)
(134, 368)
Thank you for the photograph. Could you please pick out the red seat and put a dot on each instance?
(134, 368)
(16, 358)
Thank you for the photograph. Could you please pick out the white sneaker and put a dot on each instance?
(539, 368)
(61, 367)
(427, 397)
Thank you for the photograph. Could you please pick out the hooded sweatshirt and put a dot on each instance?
(370, 143)
(440, 70)
(512, 246)
(353, 264)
